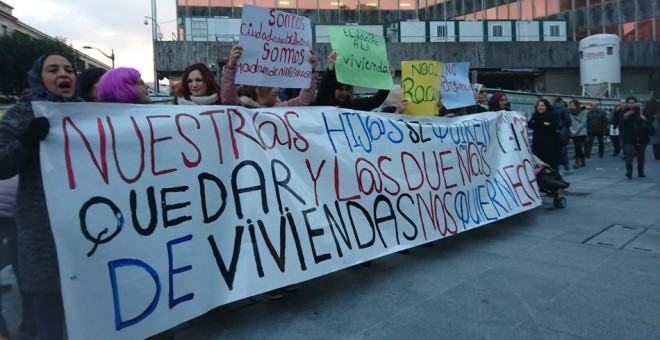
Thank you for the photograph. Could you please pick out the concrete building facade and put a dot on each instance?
(529, 45)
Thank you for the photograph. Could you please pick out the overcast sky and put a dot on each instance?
(105, 24)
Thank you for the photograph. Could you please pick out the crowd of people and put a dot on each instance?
(630, 128)
(53, 78)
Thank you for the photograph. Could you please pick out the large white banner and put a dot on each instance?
(161, 213)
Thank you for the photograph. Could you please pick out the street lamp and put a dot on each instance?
(155, 35)
(111, 56)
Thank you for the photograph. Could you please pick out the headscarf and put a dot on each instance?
(476, 87)
(38, 91)
(494, 101)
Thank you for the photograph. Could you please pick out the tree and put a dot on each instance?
(19, 51)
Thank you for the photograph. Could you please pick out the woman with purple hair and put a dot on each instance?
(123, 85)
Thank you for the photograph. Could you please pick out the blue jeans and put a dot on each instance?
(48, 311)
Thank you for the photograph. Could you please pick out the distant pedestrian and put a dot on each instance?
(596, 125)
(578, 131)
(635, 136)
(560, 110)
(617, 115)
(652, 110)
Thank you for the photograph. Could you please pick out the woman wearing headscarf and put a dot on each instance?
(498, 102)
(481, 105)
(546, 143)
(198, 87)
(52, 78)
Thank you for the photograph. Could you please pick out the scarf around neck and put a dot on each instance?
(202, 100)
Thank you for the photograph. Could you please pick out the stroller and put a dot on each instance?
(551, 183)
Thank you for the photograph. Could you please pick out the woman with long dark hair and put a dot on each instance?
(546, 143)
(198, 87)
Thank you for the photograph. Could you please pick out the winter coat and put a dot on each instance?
(326, 95)
(229, 93)
(632, 128)
(578, 123)
(37, 257)
(596, 122)
(8, 188)
(564, 119)
(546, 143)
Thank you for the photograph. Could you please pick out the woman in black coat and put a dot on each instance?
(546, 143)
(333, 93)
(633, 127)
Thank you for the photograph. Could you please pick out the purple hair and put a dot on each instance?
(118, 86)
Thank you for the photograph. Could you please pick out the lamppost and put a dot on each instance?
(111, 56)
(155, 35)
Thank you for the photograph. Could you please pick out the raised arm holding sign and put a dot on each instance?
(361, 58)
(277, 46)
(334, 93)
(420, 86)
(455, 86)
(260, 96)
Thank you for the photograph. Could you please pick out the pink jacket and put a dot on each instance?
(229, 91)
(8, 188)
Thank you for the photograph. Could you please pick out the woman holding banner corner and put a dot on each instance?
(259, 96)
(52, 78)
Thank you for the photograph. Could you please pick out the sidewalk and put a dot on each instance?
(588, 271)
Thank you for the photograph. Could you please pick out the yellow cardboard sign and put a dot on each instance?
(420, 86)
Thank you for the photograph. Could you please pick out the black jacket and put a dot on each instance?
(326, 95)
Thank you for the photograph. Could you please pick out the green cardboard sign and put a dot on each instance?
(361, 58)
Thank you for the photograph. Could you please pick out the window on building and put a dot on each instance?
(220, 3)
(393, 4)
(287, 4)
(441, 31)
(199, 27)
(498, 31)
(526, 10)
(308, 4)
(265, 3)
(628, 31)
(554, 30)
(513, 11)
